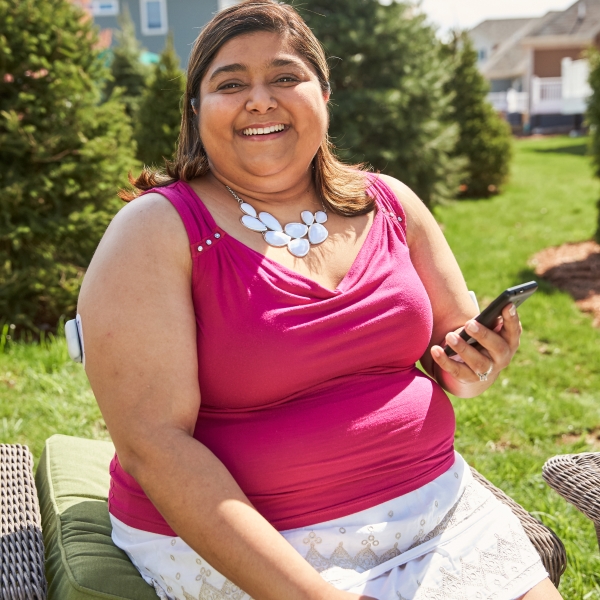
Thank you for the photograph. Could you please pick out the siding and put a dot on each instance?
(546, 63)
(185, 19)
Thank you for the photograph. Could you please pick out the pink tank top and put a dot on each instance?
(310, 397)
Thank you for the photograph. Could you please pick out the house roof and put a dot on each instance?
(497, 30)
(577, 25)
(511, 58)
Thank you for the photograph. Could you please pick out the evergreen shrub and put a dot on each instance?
(593, 120)
(159, 118)
(389, 105)
(63, 155)
(127, 71)
(485, 138)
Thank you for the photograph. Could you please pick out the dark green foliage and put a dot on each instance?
(593, 108)
(159, 118)
(593, 119)
(62, 157)
(597, 234)
(126, 69)
(388, 105)
(485, 138)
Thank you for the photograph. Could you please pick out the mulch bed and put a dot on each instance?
(573, 268)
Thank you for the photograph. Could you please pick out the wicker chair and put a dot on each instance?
(21, 546)
(576, 477)
(22, 549)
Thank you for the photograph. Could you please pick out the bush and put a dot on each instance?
(485, 138)
(593, 119)
(159, 118)
(62, 157)
(127, 71)
(389, 106)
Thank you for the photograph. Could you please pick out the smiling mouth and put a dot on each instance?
(264, 130)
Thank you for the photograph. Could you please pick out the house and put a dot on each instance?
(495, 38)
(154, 19)
(538, 72)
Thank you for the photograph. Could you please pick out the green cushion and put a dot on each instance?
(81, 560)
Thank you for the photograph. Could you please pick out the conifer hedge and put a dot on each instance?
(126, 69)
(63, 155)
(593, 119)
(389, 106)
(158, 121)
(485, 139)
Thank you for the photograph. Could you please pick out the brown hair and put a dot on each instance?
(341, 187)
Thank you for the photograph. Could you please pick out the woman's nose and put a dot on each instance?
(260, 100)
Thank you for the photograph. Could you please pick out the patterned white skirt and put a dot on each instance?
(449, 540)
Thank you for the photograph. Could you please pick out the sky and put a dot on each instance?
(464, 14)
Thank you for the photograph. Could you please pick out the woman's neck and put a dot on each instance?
(300, 195)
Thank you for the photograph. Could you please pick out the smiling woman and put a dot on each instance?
(280, 442)
(340, 186)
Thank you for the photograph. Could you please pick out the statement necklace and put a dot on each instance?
(292, 235)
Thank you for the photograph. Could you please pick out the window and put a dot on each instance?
(482, 54)
(154, 17)
(105, 8)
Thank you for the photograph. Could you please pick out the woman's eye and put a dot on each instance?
(230, 86)
(286, 79)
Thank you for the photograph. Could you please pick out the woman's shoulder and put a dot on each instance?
(147, 228)
(417, 214)
(407, 198)
(149, 215)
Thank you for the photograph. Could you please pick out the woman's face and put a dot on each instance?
(263, 114)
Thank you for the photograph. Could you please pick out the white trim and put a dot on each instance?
(227, 3)
(164, 26)
(105, 8)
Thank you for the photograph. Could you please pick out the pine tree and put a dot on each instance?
(388, 104)
(127, 71)
(63, 155)
(159, 118)
(485, 138)
(593, 120)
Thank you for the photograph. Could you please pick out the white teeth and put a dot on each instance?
(263, 130)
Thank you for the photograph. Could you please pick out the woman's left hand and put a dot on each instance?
(478, 369)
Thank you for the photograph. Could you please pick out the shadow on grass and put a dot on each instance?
(578, 150)
(545, 287)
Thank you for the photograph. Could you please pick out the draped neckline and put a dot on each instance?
(357, 268)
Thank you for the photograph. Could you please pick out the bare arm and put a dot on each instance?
(452, 307)
(141, 360)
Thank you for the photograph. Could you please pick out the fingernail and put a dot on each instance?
(437, 351)
(472, 327)
(452, 338)
(512, 311)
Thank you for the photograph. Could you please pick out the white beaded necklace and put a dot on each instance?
(292, 235)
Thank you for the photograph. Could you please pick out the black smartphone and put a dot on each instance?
(488, 318)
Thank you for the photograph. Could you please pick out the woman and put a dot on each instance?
(259, 381)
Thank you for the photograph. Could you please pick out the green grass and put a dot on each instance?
(42, 392)
(552, 389)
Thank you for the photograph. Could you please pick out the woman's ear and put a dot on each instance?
(194, 104)
(327, 93)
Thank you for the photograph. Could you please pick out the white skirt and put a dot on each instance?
(450, 539)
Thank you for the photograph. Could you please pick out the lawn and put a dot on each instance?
(546, 403)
